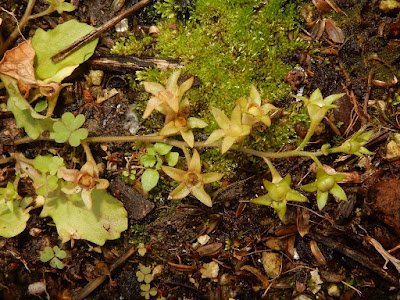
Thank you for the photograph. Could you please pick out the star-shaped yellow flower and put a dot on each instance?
(192, 180)
(179, 123)
(166, 98)
(231, 130)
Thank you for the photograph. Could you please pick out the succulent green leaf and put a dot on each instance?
(149, 179)
(104, 221)
(48, 43)
(322, 199)
(25, 116)
(148, 160)
(47, 254)
(172, 158)
(13, 222)
(162, 148)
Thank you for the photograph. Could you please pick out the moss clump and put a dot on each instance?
(228, 45)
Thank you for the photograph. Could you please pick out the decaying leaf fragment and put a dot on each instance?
(386, 255)
(18, 63)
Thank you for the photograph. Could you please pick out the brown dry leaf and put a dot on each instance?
(18, 63)
(335, 33)
(210, 250)
(257, 273)
(351, 177)
(303, 221)
(319, 257)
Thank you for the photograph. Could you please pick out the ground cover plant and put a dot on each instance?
(197, 130)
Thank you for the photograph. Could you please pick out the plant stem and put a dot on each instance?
(19, 27)
(274, 173)
(89, 155)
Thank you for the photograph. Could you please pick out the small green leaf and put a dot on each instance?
(150, 149)
(48, 164)
(48, 43)
(149, 179)
(139, 276)
(59, 263)
(61, 254)
(172, 158)
(159, 162)
(77, 136)
(13, 222)
(41, 105)
(47, 254)
(162, 148)
(148, 160)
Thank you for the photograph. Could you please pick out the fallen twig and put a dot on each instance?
(96, 32)
(92, 285)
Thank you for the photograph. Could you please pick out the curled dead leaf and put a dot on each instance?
(335, 33)
(182, 268)
(210, 250)
(257, 273)
(18, 63)
(319, 257)
(303, 221)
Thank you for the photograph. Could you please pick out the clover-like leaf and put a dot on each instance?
(67, 129)
(60, 6)
(48, 43)
(47, 255)
(149, 179)
(56, 263)
(61, 254)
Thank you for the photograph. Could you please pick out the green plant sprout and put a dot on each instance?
(142, 249)
(144, 275)
(129, 177)
(153, 160)
(54, 255)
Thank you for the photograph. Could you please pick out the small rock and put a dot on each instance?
(384, 197)
(272, 263)
(334, 290)
(136, 205)
(210, 270)
(37, 288)
(392, 151)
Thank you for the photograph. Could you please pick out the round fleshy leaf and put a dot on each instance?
(149, 179)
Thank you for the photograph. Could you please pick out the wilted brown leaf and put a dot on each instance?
(18, 63)
(335, 33)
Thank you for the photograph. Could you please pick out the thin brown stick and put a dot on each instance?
(92, 285)
(96, 32)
